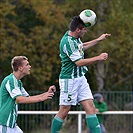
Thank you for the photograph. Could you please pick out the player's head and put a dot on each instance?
(78, 27)
(98, 97)
(20, 64)
(76, 23)
(17, 61)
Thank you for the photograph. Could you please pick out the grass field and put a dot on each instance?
(62, 131)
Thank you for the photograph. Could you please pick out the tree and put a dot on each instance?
(34, 28)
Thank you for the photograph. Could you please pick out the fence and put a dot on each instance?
(117, 121)
(79, 113)
(116, 100)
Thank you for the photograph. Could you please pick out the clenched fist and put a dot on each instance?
(103, 56)
(52, 89)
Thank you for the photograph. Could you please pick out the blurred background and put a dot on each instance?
(34, 28)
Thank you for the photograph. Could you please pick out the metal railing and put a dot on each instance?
(120, 120)
(79, 113)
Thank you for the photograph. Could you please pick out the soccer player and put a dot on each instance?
(73, 84)
(101, 106)
(12, 93)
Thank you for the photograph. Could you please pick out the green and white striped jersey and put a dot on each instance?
(71, 50)
(9, 90)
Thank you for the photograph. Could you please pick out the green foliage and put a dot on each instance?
(120, 70)
(34, 28)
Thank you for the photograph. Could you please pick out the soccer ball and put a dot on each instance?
(88, 17)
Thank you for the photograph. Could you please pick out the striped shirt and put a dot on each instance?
(71, 50)
(9, 90)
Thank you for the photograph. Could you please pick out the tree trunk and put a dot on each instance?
(100, 76)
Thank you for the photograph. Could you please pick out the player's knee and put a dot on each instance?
(91, 110)
(63, 112)
(90, 107)
(62, 116)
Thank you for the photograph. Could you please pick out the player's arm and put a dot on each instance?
(88, 61)
(89, 44)
(37, 98)
(34, 99)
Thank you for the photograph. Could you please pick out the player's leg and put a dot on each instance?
(91, 117)
(68, 97)
(59, 119)
(86, 100)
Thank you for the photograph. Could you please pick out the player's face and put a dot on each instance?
(82, 32)
(25, 69)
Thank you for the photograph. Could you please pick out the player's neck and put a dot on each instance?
(74, 34)
(18, 75)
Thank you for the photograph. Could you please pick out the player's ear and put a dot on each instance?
(78, 30)
(20, 68)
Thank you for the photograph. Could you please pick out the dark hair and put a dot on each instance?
(17, 61)
(76, 23)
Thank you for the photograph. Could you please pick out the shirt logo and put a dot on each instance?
(80, 47)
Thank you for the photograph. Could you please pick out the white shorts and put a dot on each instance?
(73, 91)
(5, 129)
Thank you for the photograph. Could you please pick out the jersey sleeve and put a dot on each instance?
(13, 89)
(72, 51)
(24, 92)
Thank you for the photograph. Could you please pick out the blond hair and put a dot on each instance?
(17, 61)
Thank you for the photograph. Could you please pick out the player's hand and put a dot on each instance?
(47, 95)
(103, 56)
(103, 36)
(96, 110)
(52, 89)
